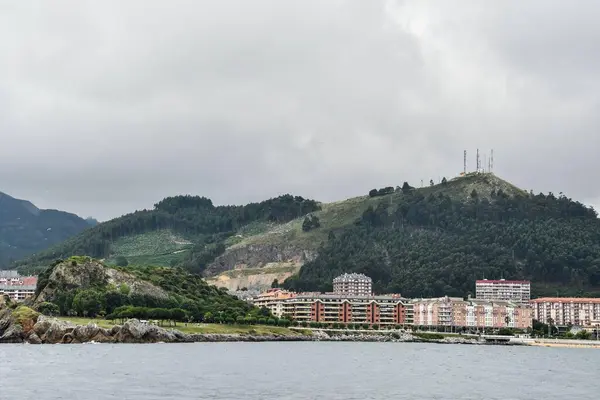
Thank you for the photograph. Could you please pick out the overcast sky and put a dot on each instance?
(109, 106)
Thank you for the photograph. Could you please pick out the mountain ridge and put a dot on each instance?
(25, 228)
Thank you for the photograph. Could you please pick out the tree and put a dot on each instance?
(373, 193)
(444, 181)
(275, 283)
(208, 317)
(406, 188)
(121, 261)
(474, 194)
(431, 182)
(583, 335)
(306, 225)
(178, 314)
(49, 309)
(88, 303)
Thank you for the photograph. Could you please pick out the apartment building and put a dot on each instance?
(273, 300)
(503, 290)
(563, 311)
(338, 308)
(472, 313)
(353, 285)
(15, 286)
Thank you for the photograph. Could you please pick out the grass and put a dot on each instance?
(103, 323)
(152, 248)
(202, 328)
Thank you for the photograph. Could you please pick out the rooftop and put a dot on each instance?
(566, 300)
(501, 281)
(351, 277)
(16, 287)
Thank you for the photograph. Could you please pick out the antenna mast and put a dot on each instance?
(492, 161)
(465, 163)
(478, 162)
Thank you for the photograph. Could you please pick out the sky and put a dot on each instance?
(109, 106)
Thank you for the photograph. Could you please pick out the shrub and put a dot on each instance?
(49, 309)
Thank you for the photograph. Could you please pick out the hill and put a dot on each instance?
(25, 229)
(86, 287)
(439, 240)
(186, 231)
(428, 241)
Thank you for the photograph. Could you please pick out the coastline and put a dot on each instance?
(39, 329)
(48, 330)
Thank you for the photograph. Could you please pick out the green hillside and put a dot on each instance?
(439, 240)
(25, 229)
(186, 231)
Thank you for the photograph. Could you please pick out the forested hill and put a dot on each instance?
(25, 229)
(433, 242)
(192, 222)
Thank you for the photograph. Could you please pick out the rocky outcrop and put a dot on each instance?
(84, 273)
(133, 331)
(14, 334)
(258, 255)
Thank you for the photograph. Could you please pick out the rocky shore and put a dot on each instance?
(33, 328)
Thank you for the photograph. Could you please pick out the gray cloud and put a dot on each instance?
(107, 107)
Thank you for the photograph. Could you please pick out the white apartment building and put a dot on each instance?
(353, 285)
(563, 311)
(503, 290)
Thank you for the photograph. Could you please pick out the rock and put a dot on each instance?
(86, 333)
(5, 320)
(42, 325)
(103, 336)
(56, 330)
(133, 331)
(33, 338)
(14, 334)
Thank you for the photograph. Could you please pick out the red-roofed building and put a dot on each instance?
(17, 287)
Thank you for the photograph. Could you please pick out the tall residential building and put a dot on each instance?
(15, 286)
(353, 285)
(471, 313)
(565, 311)
(515, 291)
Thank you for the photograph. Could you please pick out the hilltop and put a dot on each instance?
(427, 241)
(25, 229)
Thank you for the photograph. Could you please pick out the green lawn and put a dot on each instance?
(202, 328)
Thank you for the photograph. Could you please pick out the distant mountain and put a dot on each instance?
(25, 229)
(91, 221)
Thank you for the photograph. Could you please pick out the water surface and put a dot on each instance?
(258, 371)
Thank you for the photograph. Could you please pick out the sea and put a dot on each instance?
(304, 370)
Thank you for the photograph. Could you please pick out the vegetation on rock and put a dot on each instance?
(85, 287)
